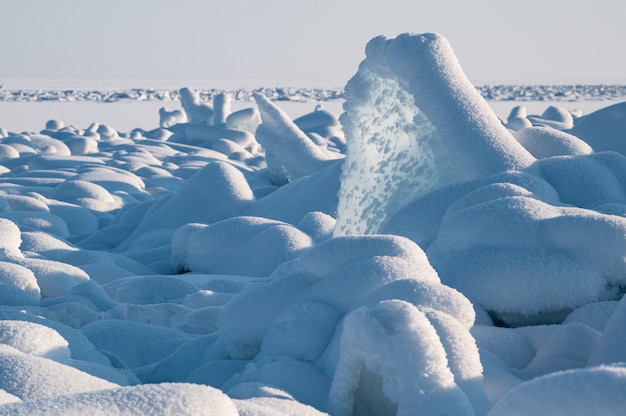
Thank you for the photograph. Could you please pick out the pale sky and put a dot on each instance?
(319, 42)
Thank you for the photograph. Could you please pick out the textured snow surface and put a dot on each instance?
(416, 254)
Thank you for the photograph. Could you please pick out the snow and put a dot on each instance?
(417, 253)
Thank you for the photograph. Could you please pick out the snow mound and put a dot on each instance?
(163, 399)
(604, 129)
(575, 392)
(30, 377)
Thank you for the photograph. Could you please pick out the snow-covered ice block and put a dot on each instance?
(244, 119)
(369, 375)
(169, 118)
(220, 247)
(544, 142)
(288, 149)
(604, 129)
(221, 108)
(195, 110)
(414, 123)
(528, 260)
(586, 181)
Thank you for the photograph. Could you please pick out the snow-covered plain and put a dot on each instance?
(416, 255)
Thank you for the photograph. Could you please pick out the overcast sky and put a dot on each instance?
(313, 41)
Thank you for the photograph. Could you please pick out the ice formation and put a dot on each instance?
(169, 118)
(189, 269)
(290, 152)
(414, 123)
(195, 110)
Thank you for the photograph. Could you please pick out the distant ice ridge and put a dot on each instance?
(148, 94)
(562, 93)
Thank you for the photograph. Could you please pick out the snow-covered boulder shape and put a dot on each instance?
(8, 152)
(10, 240)
(516, 119)
(544, 142)
(179, 399)
(31, 377)
(169, 118)
(244, 119)
(527, 261)
(439, 372)
(107, 133)
(81, 145)
(339, 273)
(587, 181)
(219, 247)
(54, 125)
(413, 123)
(20, 277)
(289, 151)
(35, 339)
(54, 278)
(47, 145)
(217, 191)
(554, 116)
(85, 194)
(604, 129)
(322, 122)
(195, 110)
(580, 392)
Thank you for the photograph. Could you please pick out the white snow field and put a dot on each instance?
(413, 254)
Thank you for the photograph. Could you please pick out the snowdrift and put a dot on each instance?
(416, 255)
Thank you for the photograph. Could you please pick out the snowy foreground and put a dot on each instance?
(416, 256)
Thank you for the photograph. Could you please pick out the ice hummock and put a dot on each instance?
(414, 123)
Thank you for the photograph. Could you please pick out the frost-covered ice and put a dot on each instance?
(417, 255)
